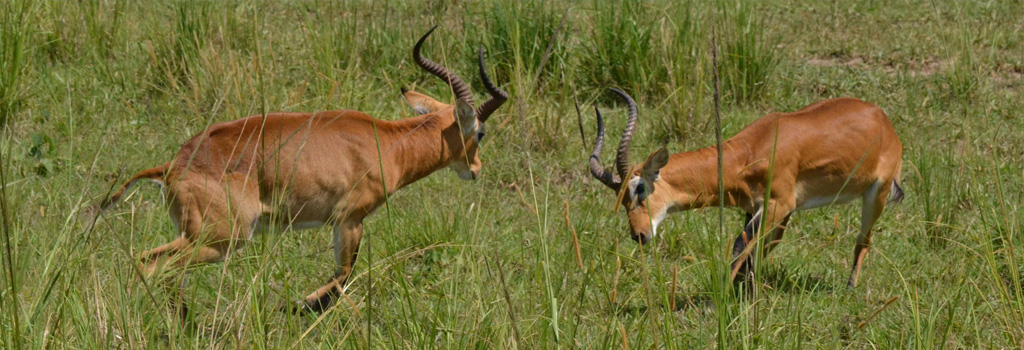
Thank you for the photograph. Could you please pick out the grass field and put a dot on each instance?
(93, 91)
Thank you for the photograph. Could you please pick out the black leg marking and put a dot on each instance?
(749, 234)
(320, 304)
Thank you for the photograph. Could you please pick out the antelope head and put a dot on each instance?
(469, 121)
(638, 187)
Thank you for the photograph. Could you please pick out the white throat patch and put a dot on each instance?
(656, 219)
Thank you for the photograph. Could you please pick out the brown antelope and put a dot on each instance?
(305, 170)
(833, 151)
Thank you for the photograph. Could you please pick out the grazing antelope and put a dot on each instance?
(833, 151)
(305, 170)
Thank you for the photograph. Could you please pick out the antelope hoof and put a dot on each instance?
(297, 308)
(307, 307)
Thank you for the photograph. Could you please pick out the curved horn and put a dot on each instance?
(622, 158)
(498, 96)
(600, 173)
(460, 87)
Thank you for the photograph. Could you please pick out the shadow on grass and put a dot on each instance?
(778, 279)
(700, 302)
(783, 280)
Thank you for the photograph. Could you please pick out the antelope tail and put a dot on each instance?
(896, 193)
(154, 174)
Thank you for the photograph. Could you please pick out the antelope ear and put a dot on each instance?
(421, 103)
(466, 115)
(653, 165)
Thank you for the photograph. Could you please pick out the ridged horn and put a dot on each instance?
(622, 157)
(599, 172)
(498, 96)
(460, 87)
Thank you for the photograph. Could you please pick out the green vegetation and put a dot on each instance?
(92, 91)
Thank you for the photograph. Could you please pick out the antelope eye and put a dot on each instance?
(479, 136)
(640, 191)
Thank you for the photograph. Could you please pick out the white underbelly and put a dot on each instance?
(817, 202)
(264, 225)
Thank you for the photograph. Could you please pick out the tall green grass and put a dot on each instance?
(683, 50)
(525, 36)
(748, 58)
(14, 63)
(101, 89)
(14, 40)
(620, 48)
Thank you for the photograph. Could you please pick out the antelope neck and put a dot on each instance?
(417, 147)
(693, 177)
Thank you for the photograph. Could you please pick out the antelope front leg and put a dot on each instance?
(346, 249)
(750, 227)
(778, 213)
